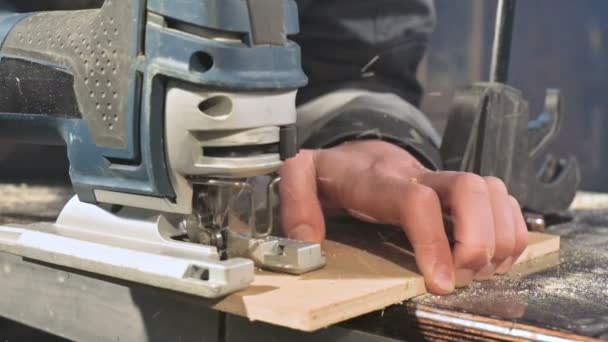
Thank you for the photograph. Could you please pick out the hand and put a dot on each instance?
(379, 182)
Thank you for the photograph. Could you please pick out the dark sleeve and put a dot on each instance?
(353, 114)
(364, 44)
(361, 58)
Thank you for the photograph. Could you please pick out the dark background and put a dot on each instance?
(556, 44)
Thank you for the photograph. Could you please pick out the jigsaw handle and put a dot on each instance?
(79, 62)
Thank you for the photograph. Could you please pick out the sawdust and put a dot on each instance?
(572, 296)
(574, 285)
(589, 200)
(23, 203)
(15, 196)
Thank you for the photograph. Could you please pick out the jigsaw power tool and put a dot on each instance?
(167, 108)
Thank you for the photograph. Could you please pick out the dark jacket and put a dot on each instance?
(361, 58)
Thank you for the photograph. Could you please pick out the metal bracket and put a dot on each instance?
(277, 254)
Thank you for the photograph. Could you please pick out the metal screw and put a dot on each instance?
(535, 222)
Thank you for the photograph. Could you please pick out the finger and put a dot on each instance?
(386, 197)
(421, 219)
(301, 213)
(466, 198)
(521, 230)
(504, 227)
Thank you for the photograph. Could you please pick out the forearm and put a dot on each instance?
(356, 114)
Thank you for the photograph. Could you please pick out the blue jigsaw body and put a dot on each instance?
(133, 48)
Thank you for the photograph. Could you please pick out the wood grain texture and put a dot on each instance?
(367, 270)
(354, 282)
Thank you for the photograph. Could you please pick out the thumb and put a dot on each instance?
(301, 212)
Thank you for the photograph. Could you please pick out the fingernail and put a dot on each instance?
(302, 232)
(464, 277)
(486, 272)
(505, 266)
(444, 279)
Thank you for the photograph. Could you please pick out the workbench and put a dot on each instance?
(561, 303)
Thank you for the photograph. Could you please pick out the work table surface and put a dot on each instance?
(565, 301)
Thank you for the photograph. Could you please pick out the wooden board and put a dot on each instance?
(366, 271)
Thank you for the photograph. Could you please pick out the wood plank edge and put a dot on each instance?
(336, 313)
(550, 244)
(332, 314)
